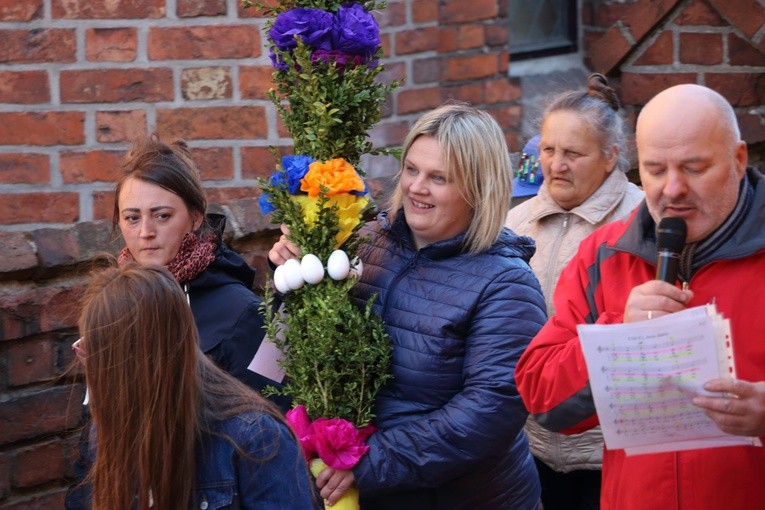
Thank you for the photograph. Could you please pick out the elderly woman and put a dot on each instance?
(582, 153)
(460, 304)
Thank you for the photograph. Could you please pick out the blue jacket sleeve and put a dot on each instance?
(273, 474)
(481, 420)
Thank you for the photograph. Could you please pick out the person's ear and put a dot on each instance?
(613, 158)
(197, 218)
(742, 158)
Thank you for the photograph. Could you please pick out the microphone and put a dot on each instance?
(670, 239)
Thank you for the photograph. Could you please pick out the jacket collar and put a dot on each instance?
(592, 210)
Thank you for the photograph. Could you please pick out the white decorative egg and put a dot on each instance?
(292, 276)
(311, 268)
(338, 265)
(357, 267)
(279, 282)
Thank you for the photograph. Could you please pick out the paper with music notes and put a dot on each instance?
(643, 376)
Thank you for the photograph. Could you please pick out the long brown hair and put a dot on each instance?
(153, 393)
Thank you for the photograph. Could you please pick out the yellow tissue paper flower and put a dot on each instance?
(348, 213)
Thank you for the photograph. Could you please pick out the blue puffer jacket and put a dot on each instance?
(450, 422)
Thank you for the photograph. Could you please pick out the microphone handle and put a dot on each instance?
(666, 268)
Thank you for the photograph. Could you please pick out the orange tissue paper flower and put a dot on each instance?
(337, 175)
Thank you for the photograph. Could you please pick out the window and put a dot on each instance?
(540, 28)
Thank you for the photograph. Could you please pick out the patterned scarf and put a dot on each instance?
(193, 257)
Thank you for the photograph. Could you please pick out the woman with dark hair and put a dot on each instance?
(583, 157)
(160, 210)
(171, 430)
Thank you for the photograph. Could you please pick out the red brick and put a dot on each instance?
(416, 41)
(42, 128)
(24, 168)
(255, 81)
(206, 42)
(426, 70)
(30, 362)
(81, 167)
(24, 87)
(38, 464)
(643, 17)
(114, 9)
(118, 44)
(424, 11)
(461, 38)
(393, 71)
(385, 44)
(742, 53)
(206, 83)
(470, 93)
(503, 61)
(120, 126)
(418, 100)
(254, 12)
(14, 10)
(51, 498)
(5, 475)
(607, 51)
(604, 15)
(225, 195)
(103, 205)
(39, 207)
(116, 85)
(502, 90)
(471, 67)
(394, 15)
(215, 163)
(746, 15)
(752, 127)
(740, 89)
(18, 254)
(193, 8)
(701, 49)
(259, 161)
(226, 123)
(699, 12)
(38, 45)
(508, 117)
(497, 35)
(37, 413)
(661, 52)
(454, 11)
(389, 134)
(638, 88)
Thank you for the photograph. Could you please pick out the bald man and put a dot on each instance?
(693, 166)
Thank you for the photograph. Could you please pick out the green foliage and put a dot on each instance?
(335, 107)
(337, 356)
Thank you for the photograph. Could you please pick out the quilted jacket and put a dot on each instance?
(450, 422)
(557, 234)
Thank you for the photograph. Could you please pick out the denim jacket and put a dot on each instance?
(267, 470)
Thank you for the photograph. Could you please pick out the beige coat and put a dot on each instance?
(557, 233)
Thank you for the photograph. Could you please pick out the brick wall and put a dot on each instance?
(650, 45)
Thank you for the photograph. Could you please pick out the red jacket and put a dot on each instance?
(552, 376)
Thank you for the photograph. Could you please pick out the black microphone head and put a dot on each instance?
(670, 234)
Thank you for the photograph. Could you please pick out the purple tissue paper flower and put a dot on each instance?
(313, 26)
(338, 57)
(357, 31)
